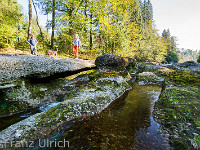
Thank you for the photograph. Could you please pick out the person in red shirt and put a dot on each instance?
(77, 44)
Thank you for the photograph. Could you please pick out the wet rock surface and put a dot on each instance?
(13, 67)
(86, 100)
(125, 124)
(149, 78)
(188, 65)
(178, 112)
(178, 107)
(25, 95)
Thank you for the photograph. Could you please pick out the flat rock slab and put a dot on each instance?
(13, 67)
(88, 100)
(188, 65)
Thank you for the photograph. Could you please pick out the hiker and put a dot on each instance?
(77, 44)
(32, 42)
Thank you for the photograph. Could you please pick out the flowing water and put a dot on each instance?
(52, 92)
(127, 124)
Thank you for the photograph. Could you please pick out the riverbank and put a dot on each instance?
(86, 100)
(88, 94)
(18, 66)
(27, 51)
(178, 107)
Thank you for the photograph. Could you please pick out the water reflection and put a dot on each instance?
(24, 100)
(126, 124)
(27, 97)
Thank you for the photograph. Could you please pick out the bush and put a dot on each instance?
(198, 59)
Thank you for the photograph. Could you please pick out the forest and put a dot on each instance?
(129, 87)
(125, 28)
(188, 55)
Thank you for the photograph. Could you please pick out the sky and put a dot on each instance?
(42, 18)
(181, 17)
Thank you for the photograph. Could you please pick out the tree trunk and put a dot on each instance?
(99, 40)
(47, 27)
(53, 24)
(71, 22)
(38, 22)
(91, 32)
(70, 30)
(85, 12)
(30, 19)
(113, 45)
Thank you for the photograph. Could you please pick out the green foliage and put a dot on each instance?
(150, 46)
(185, 77)
(198, 58)
(147, 11)
(10, 17)
(187, 55)
(172, 55)
(124, 28)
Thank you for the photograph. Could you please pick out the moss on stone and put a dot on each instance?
(85, 100)
(179, 107)
(149, 78)
(96, 75)
(164, 71)
(185, 77)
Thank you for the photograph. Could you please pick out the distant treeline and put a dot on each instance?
(188, 55)
(122, 27)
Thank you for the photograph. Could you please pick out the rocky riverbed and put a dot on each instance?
(26, 81)
(177, 109)
(96, 91)
(188, 65)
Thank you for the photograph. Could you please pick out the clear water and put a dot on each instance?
(126, 124)
(59, 88)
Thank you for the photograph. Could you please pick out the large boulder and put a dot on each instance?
(129, 61)
(149, 78)
(188, 65)
(13, 67)
(110, 62)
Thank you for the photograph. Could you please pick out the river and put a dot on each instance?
(126, 124)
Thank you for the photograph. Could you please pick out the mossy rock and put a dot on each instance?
(179, 107)
(149, 78)
(157, 69)
(164, 71)
(26, 96)
(185, 77)
(99, 74)
(85, 100)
